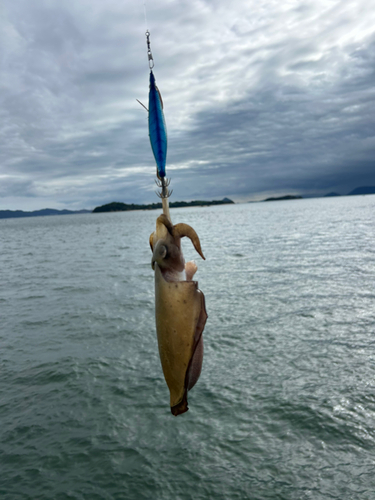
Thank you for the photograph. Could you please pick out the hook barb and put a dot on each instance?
(163, 183)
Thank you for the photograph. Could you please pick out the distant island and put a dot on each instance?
(362, 190)
(287, 197)
(110, 207)
(357, 191)
(121, 207)
(124, 207)
(11, 214)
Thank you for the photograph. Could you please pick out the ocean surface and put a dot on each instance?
(285, 405)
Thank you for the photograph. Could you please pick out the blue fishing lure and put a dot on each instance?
(156, 127)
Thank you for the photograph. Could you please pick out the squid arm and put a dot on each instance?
(180, 310)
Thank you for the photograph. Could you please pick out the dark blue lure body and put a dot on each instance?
(156, 127)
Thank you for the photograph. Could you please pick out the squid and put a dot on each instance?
(180, 311)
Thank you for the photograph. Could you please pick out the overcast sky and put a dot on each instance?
(260, 98)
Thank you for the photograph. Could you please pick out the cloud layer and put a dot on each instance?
(260, 98)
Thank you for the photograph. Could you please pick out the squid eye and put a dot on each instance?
(159, 255)
(162, 251)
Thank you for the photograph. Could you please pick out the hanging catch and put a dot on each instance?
(180, 310)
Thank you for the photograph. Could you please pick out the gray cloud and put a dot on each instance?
(259, 98)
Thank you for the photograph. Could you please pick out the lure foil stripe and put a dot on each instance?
(156, 127)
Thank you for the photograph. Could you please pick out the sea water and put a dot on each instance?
(285, 405)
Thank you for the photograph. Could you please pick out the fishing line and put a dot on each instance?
(144, 9)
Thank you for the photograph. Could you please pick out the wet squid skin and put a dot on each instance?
(180, 310)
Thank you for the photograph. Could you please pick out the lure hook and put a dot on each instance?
(163, 183)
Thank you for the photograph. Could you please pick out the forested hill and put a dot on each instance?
(123, 207)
